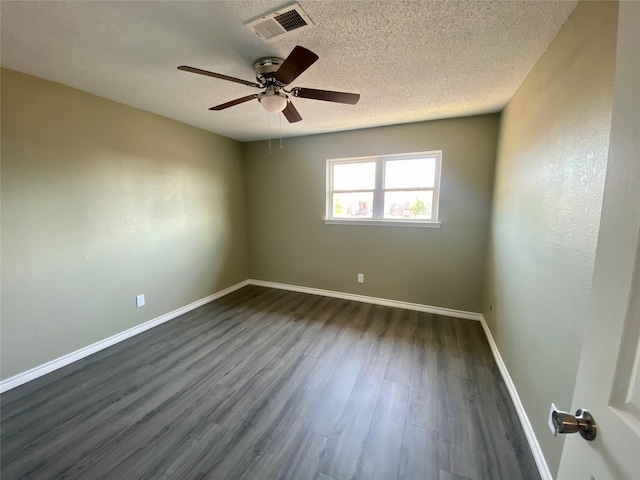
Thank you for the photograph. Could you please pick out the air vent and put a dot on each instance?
(281, 23)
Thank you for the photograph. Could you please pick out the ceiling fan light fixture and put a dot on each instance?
(273, 102)
(273, 75)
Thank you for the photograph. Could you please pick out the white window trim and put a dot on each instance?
(378, 192)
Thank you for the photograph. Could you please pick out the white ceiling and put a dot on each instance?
(410, 61)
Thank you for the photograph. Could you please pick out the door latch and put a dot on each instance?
(582, 422)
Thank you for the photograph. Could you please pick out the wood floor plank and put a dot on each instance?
(444, 475)
(68, 442)
(451, 356)
(270, 455)
(272, 384)
(302, 462)
(496, 415)
(331, 322)
(419, 454)
(322, 476)
(458, 427)
(50, 385)
(399, 369)
(89, 379)
(348, 440)
(276, 405)
(424, 402)
(141, 446)
(180, 461)
(380, 331)
(259, 384)
(109, 424)
(471, 412)
(136, 403)
(285, 335)
(336, 392)
(336, 344)
(381, 457)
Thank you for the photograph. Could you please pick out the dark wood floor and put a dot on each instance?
(269, 384)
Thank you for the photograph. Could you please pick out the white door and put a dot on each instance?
(608, 382)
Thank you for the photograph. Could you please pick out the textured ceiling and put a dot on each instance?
(410, 61)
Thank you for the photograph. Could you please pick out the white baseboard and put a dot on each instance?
(538, 456)
(60, 362)
(375, 300)
(65, 360)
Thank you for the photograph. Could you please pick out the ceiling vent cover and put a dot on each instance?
(280, 23)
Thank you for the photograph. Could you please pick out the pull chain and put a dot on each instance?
(269, 130)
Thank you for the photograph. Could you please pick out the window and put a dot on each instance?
(387, 189)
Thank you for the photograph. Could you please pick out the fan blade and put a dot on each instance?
(297, 62)
(326, 95)
(291, 113)
(237, 101)
(199, 71)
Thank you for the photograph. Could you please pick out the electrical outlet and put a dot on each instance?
(361, 278)
(140, 300)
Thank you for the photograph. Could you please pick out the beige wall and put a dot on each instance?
(546, 211)
(605, 367)
(101, 202)
(290, 243)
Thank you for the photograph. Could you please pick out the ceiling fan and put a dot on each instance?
(273, 75)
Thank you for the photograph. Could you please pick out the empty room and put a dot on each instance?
(323, 240)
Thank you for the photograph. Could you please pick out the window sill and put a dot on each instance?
(383, 223)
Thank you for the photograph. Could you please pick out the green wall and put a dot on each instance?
(101, 202)
(290, 243)
(549, 184)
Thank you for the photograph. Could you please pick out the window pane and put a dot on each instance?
(354, 176)
(353, 205)
(408, 205)
(414, 173)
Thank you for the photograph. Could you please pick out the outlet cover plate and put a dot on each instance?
(140, 300)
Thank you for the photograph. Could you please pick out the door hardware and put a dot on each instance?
(582, 422)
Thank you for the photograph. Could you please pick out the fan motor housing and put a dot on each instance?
(266, 68)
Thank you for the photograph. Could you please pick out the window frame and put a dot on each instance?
(379, 191)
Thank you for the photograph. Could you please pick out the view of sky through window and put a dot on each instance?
(413, 173)
(354, 176)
